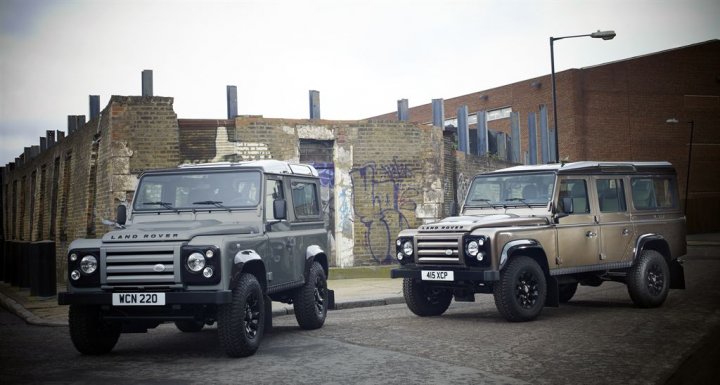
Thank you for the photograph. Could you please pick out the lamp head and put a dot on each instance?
(605, 35)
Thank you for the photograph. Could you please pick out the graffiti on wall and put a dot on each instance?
(385, 196)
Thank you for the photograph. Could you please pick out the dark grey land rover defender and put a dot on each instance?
(203, 244)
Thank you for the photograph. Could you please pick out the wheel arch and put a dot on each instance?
(652, 242)
(315, 253)
(248, 261)
(526, 247)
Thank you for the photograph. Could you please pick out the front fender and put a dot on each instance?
(315, 253)
(512, 246)
(241, 259)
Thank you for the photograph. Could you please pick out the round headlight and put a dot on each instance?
(480, 257)
(472, 248)
(196, 262)
(73, 257)
(88, 264)
(75, 275)
(209, 254)
(400, 256)
(398, 242)
(207, 272)
(408, 248)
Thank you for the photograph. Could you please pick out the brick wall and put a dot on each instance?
(618, 111)
(80, 180)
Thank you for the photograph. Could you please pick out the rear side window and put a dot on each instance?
(305, 199)
(611, 195)
(654, 193)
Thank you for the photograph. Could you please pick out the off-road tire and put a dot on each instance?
(189, 326)
(241, 323)
(90, 334)
(425, 300)
(311, 300)
(648, 280)
(520, 294)
(567, 291)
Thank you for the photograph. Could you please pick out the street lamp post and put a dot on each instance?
(605, 35)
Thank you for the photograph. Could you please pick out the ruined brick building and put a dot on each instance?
(382, 174)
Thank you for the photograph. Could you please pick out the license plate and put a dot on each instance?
(138, 299)
(435, 275)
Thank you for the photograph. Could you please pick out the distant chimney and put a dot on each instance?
(43, 143)
(402, 110)
(94, 106)
(314, 104)
(51, 137)
(232, 107)
(438, 113)
(72, 124)
(147, 83)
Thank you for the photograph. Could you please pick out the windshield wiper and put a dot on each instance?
(163, 204)
(519, 200)
(483, 200)
(215, 203)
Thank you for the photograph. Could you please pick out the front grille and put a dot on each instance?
(140, 267)
(439, 248)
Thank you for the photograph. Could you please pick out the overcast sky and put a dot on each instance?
(361, 55)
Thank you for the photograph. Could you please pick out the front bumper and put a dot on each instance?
(171, 298)
(459, 274)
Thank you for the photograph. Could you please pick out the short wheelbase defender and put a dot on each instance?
(203, 244)
(530, 235)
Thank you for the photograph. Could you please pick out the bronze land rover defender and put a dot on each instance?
(203, 244)
(530, 234)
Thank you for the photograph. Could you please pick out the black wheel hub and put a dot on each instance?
(655, 280)
(526, 290)
(320, 294)
(252, 316)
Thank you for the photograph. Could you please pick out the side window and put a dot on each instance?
(305, 199)
(653, 193)
(273, 191)
(577, 190)
(611, 195)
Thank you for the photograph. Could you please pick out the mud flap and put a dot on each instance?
(268, 314)
(553, 292)
(677, 275)
(331, 300)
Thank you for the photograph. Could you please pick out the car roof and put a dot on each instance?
(269, 166)
(592, 167)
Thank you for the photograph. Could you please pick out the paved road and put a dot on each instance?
(598, 338)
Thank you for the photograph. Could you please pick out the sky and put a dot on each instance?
(362, 55)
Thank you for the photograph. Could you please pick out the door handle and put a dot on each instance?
(590, 234)
(626, 232)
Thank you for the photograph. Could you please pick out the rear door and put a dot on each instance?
(616, 229)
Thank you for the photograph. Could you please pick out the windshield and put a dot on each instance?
(198, 189)
(510, 190)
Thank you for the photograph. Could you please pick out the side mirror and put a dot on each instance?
(280, 209)
(121, 217)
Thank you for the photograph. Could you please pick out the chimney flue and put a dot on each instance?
(232, 107)
(147, 83)
(314, 104)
